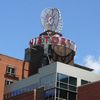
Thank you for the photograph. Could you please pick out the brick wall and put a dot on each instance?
(32, 95)
(89, 92)
(25, 96)
(17, 64)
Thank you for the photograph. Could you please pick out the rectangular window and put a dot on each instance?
(66, 87)
(73, 81)
(8, 82)
(84, 82)
(72, 96)
(58, 84)
(60, 93)
(62, 78)
(63, 86)
(72, 88)
(63, 94)
(10, 70)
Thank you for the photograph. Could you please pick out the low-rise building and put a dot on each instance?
(59, 81)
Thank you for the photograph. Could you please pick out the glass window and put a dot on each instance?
(10, 70)
(58, 84)
(60, 93)
(13, 71)
(63, 94)
(84, 82)
(64, 86)
(73, 81)
(57, 92)
(62, 78)
(72, 96)
(72, 88)
(8, 82)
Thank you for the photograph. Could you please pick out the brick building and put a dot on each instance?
(89, 92)
(36, 94)
(11, 70)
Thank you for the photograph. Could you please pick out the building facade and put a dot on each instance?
(90, 91)
(11, 70)
(59, 82)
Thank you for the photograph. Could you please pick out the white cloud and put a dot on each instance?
(92, 62)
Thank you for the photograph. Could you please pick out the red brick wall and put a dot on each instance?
(25, 96)
(18, 65)
(33, 95)
(89, 92)
(2, 80)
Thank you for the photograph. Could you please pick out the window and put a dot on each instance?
(60, 93)
(84, 82)
(66, 87)
(72, 88)
(73, 81)
(72, 96)
(8, 82)
(62, 78)
(63, 94)
(10, 70)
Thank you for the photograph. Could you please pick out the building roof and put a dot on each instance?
(83, 67)
(11, 57)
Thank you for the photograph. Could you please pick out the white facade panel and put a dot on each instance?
(77, 72)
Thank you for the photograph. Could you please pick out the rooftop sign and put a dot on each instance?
(52, 40)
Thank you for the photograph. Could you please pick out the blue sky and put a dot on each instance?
(20, 22)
